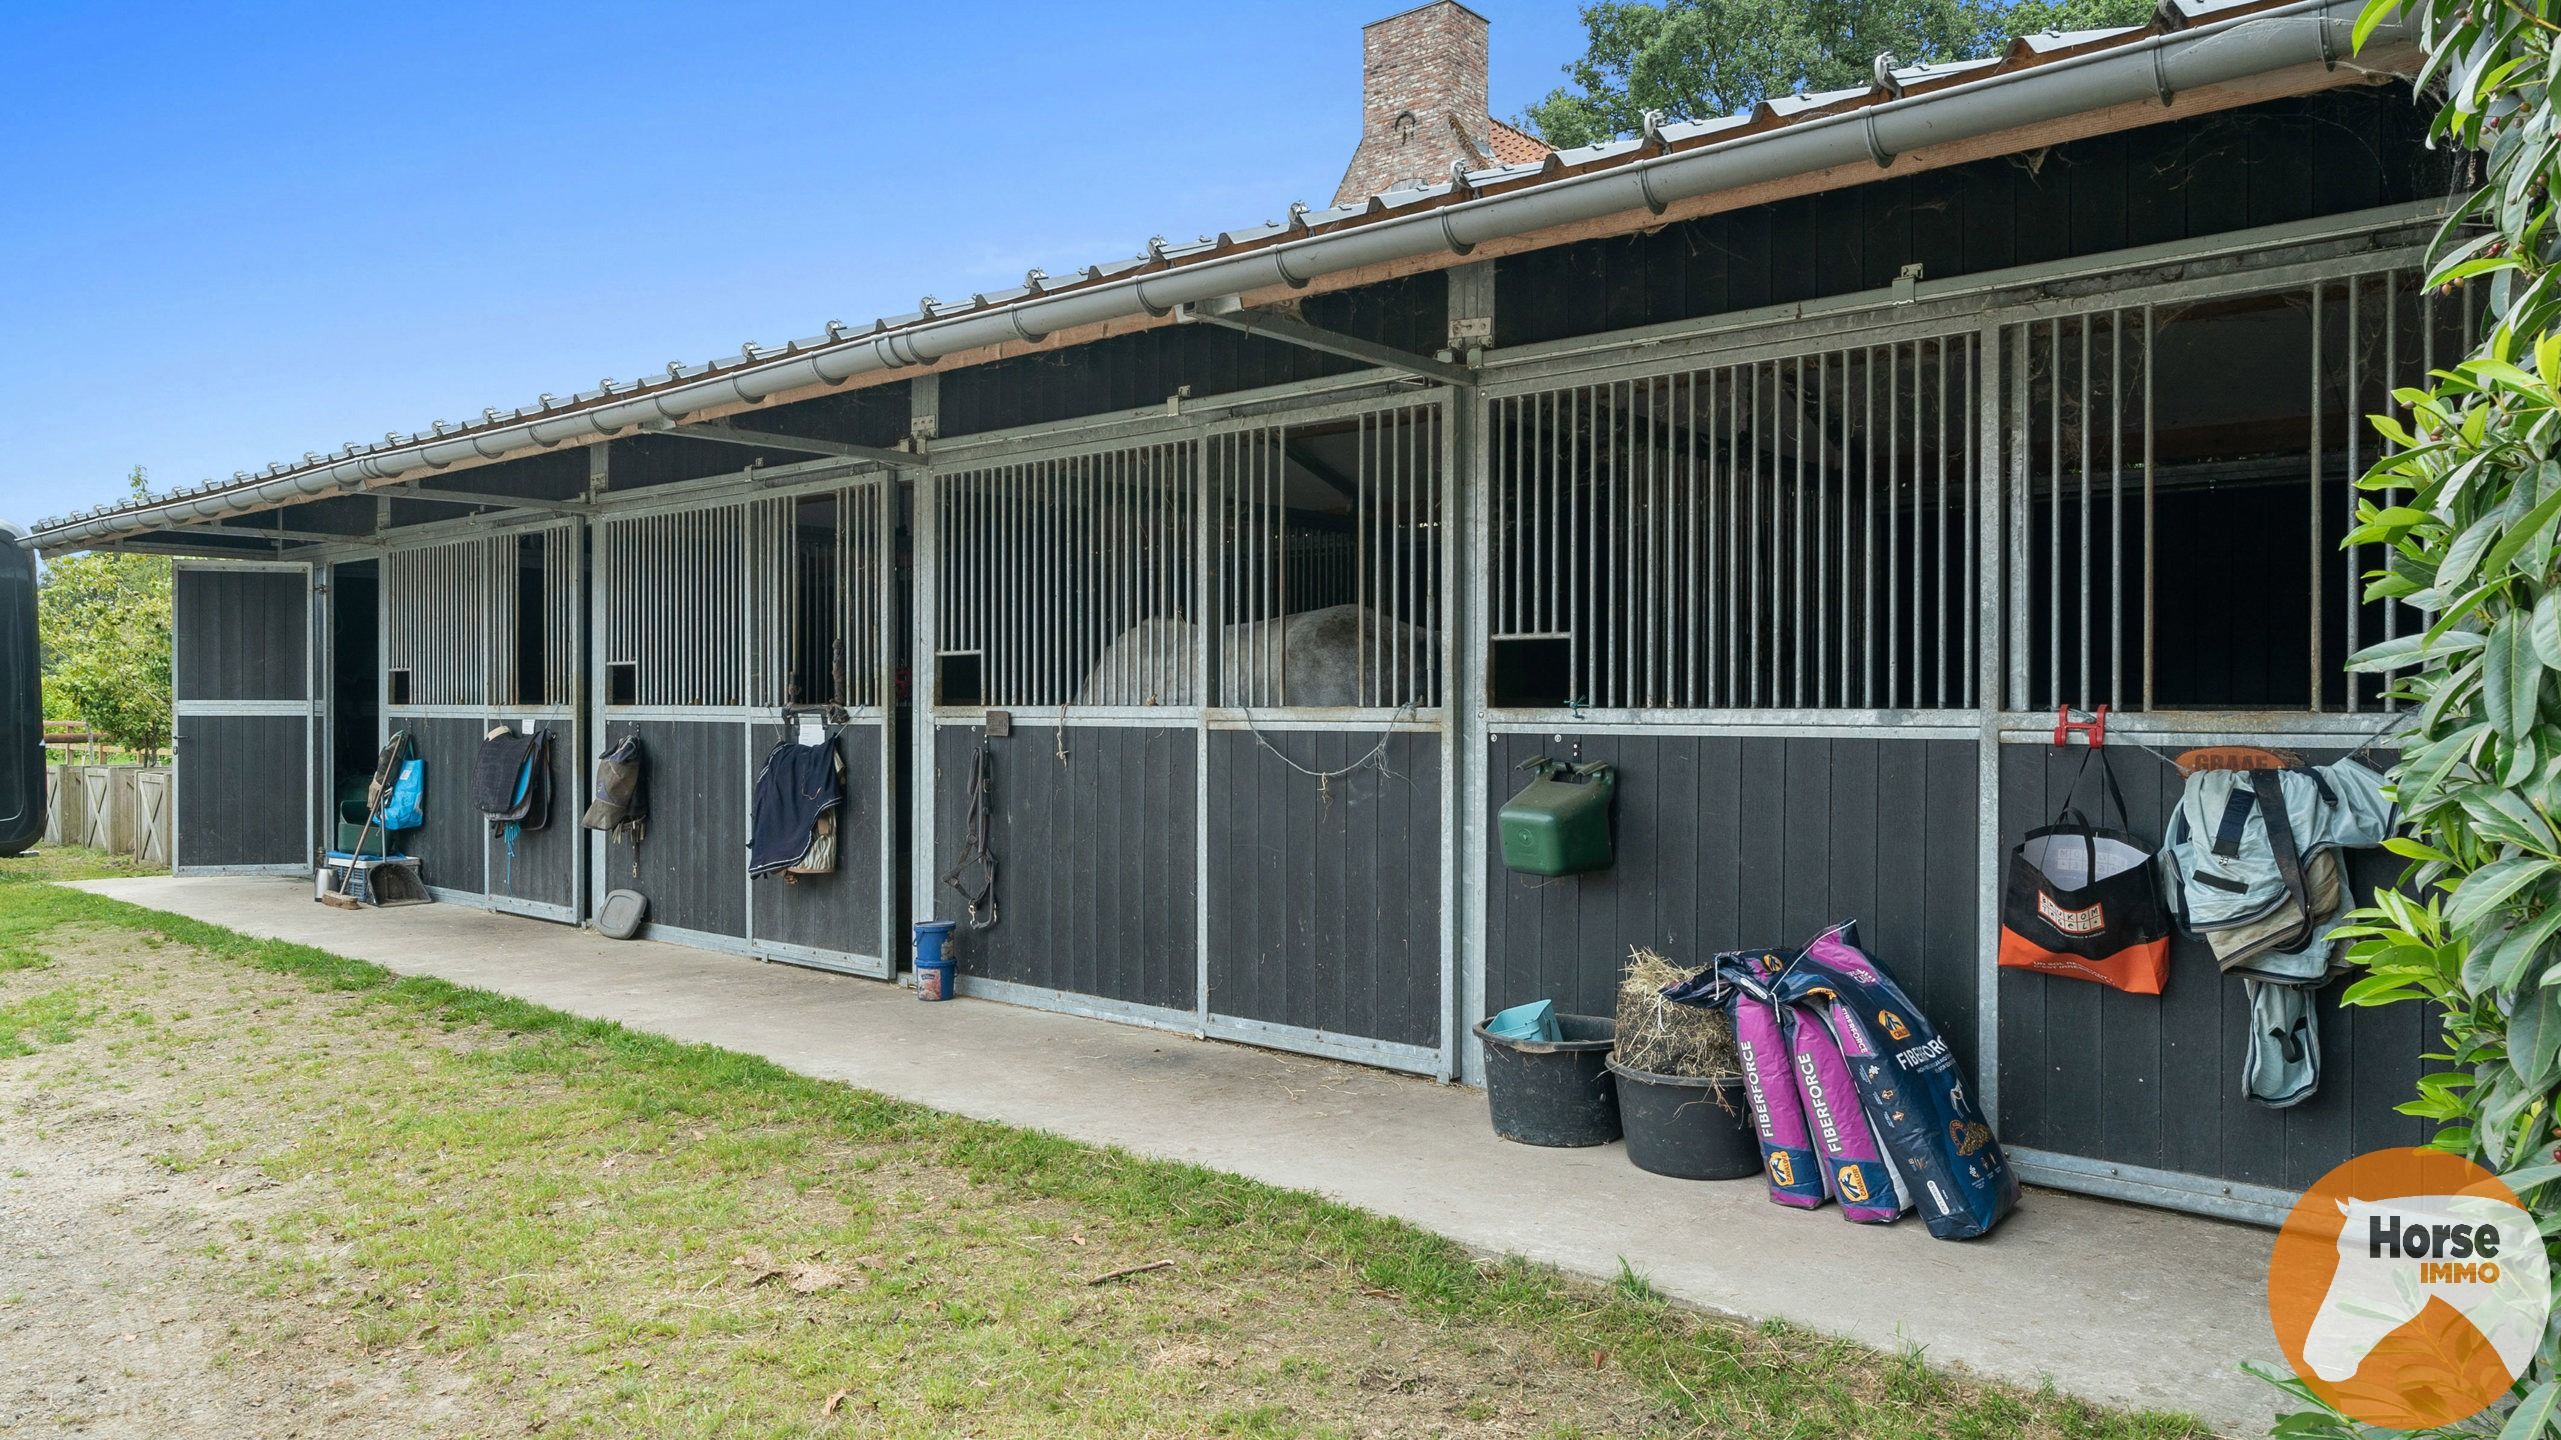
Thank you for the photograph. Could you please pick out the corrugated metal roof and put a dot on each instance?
(2022, 53)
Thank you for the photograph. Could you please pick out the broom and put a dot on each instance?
(337, 898)
(385, 769)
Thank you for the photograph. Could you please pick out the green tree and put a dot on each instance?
(1697, 59)
(103, 623)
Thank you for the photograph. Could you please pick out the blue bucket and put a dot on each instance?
(933, 967)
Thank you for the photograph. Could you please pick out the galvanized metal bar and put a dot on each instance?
(1895, 694)
(2353, 414)
(2391, 380)
(1575, 603)
(2088, 622)
(1754, 530)
(1867, 531)
(2312, 701)
(1943, 610)
(2020, 477)
(2116, 509)
(1796, 547)
(2151, 536)
(2054, 510)
(1699, 616)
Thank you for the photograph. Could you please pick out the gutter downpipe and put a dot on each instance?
(2154, 69)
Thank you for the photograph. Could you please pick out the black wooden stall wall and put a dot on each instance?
(246, 790)
(2156, 1081)
(243, 781)
(456, 850)
(543, 866)
(240, 635)
(1095, 883)
(691, 859)
(1726, 842)
(449, 845)
(1131, 372)
(839, 911)
(1325, 902)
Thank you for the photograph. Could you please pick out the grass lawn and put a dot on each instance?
(295, 1194)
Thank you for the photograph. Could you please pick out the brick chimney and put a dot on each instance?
(1423, 102)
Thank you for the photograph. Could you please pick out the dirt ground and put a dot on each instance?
(157, 1281)
(114, 1320)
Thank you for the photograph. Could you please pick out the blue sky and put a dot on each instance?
(235, 233)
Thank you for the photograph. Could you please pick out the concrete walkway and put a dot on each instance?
(2113, 1302)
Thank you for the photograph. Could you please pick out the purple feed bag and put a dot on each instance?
(1854, 1164)
(1737, 982)
(1909, 1083)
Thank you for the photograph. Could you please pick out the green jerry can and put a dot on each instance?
(1560, 822)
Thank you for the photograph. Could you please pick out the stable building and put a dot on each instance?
(1193, 613)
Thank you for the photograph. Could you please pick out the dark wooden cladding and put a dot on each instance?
(692, 858)
(242, 634)
(243, 790)
(544, 869)
(2327, 154)
(1094, 858)
(449, 845)
(2156, 1081)
(551, 475)
(1126, 372)
(872, 415)
(1726, 842)
(1324, 904)
(839, 912)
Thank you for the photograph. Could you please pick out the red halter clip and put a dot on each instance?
(2093, 729)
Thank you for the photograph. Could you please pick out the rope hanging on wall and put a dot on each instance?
(1376, 755)
(981, 898)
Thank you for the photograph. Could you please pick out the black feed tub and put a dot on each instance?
(1686, 1128)
(1554, 1092)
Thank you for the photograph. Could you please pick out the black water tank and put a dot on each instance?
(21, 697)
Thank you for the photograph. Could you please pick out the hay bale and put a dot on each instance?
(1664, 1037)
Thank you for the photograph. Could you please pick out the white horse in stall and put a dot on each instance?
(1315, 658)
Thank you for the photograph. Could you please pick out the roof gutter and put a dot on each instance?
(2155, 69)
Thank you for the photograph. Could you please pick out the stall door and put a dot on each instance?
(243, 745)
(1327, 747)
(478, 633)
(726, 629)
(2182, 477)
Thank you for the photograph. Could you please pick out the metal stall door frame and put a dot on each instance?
(646, 554)
(1773, 534)
(448, 618)
(308, 709)
(1050, 571)
(953, 620)
(1402, 477)
(2099, 640)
